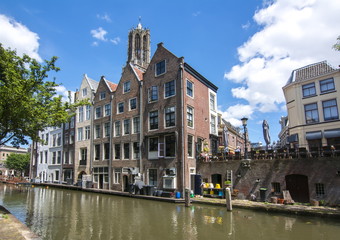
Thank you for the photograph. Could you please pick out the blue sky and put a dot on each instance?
(247, 48)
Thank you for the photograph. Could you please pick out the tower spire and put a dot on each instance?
(139, 45)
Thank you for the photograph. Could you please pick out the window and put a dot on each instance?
(46, 140)
(127, 126)
(117, 151)
(67, 126)
(169, 88)
(80, 134)
(117, 175)
(126, 150)
(98, 112)
(54, 140)
(190, 146)
(319, 189)
(213, 124)
(327, 85)
(84, 92)
(170, 146)
(153, 120)
(88, 112)
(330, 110)
(71, 137)
(153, 144)
(97, 128)
(199, 145)
(126, 87)
(190, 89)
(212, 101)
(153, 177)
(120, 107)
(54, 157)
(107, 109)
(170, 117)
(106, 151)
(107, 129)
(153, 93)
(311, 113)
(276, 187)
(66, 157)
(97, 152)
(87, 132)
(133, 103)
(81, 114)
(71, 156)
(46, 153)
(72, 122)
(117, 128)
(102, 95)
(136, 150)
(190, 116)
(160, 68)
(56, 175)
(59, 157)
(136, 127)
(59, 139)
(308, 90)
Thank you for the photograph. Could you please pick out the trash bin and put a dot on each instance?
(131, 188)
(148, 190)
(178, 194)
(263, 194)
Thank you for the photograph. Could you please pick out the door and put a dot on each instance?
(101, 181)
(298, 187)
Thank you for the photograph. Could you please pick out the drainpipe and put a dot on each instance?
(110, 144)
(141, 129)
(182, 126)
(92, 132)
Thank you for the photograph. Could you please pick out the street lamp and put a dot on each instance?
(244, 123)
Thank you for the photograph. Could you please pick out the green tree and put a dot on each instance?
(337, 45)
(28, 101)
(18, 162)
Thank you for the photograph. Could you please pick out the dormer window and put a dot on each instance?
(126, 87)
(160, 68)
(102, 95)
(84, 92)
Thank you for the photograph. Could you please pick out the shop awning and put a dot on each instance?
(313, 135)
(333, 133)
(293, 138)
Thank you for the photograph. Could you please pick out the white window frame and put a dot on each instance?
(130, 109)
(165, 68)
(193, 88)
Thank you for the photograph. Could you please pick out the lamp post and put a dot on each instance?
(244, 123)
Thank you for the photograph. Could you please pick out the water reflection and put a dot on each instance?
(62, 214)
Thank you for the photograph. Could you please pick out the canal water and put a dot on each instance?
(65, 214)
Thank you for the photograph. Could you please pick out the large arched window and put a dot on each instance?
(137, 46)
(144, 48)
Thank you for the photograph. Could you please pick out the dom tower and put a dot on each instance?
(139, 46)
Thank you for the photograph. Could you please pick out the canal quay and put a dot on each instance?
(52, 212)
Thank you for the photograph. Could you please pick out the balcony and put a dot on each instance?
(284, 153)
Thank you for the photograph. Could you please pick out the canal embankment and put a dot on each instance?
(294, 209)
(12, 229)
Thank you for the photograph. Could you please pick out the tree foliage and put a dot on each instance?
(28, 101)
(337, 45)
(18, 162)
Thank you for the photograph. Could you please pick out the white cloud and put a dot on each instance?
(99, 34)
(61, 90)
(196, 14)
(17, 36)
(234, 113)
(294, 33)
(104, 17)
(115, 41)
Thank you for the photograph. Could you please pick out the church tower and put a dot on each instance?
(139, 46)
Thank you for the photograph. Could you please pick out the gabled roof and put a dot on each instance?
(310, 71)
(138, 72)
(92, 83)
(112, 86)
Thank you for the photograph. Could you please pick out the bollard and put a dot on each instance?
(228, 199)
(187, 197)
